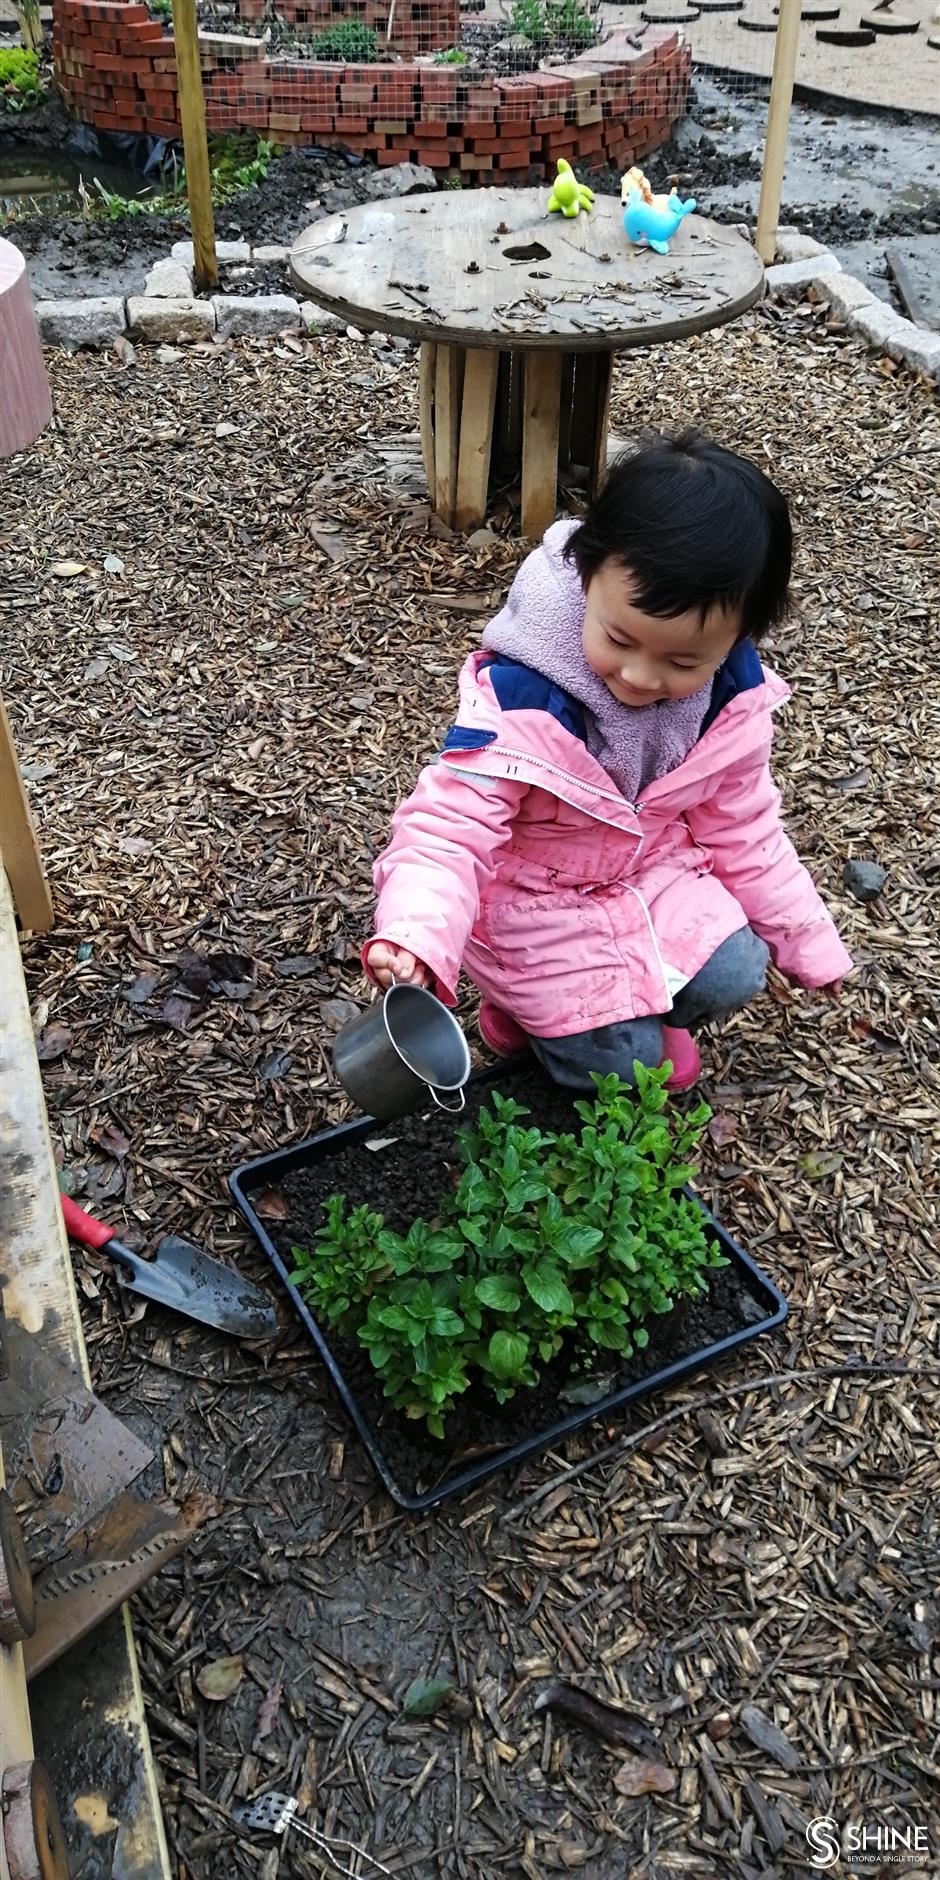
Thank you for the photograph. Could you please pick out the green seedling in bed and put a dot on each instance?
(350, 42)
(549, 1243)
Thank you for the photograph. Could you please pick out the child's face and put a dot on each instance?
(641, 659)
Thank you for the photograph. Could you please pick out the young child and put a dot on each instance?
(598, 844)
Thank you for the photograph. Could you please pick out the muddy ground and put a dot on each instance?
(854, 179)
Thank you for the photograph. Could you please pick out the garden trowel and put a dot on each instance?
(181, 1276)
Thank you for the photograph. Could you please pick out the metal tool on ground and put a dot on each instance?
(402, 1050)
(180, 1276)
(276, 1813)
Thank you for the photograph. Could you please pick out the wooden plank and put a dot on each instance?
(540, 443)
(195, 142)
(598, 462)
(448, 390)
(39, 1292)
(428, 359)
(19, 848)
(476, 437)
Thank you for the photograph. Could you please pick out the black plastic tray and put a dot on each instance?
(269, 1170)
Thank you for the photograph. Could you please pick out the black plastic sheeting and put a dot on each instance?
(137, 150)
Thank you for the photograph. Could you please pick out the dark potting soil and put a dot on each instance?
(404, 1180)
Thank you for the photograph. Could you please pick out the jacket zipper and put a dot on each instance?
(592, 789)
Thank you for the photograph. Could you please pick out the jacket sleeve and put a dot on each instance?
(739, 825)
(443, 849)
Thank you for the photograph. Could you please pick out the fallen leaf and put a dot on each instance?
(71, 1181)
(112, 1140)
(271, 1206)
(605, 1720)
(66, 569)
(766, 1736)
(105, 1183)
(856, 781)
(225, 428)
(36, 773)
(277, 1065)
(297, 966)
(337, 1012)
(220, 1678)
(267, 1712)
(175, 1012)
(135, 845)
(638, 1776)
(142, 989)
(426, 1696)
(54, 1042)
(96, 669)
(113, 564)
(723, 1128)
(817, 1166)
(588, 1390)
(720, 1727)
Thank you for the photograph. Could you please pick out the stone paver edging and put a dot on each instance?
(168, 310)
(806, 267)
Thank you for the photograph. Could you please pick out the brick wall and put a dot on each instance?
(116, 69)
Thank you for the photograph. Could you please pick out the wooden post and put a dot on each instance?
(195, 143)
(19, 850)
(778, 128)
(541, 414)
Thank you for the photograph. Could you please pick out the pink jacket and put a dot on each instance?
(517, 858)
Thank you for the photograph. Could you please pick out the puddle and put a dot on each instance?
(47, 182)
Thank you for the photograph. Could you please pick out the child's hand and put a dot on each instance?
(394, 963)
(833, 990)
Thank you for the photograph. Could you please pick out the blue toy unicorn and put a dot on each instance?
(655, 222)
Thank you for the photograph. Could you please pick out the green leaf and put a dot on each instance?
(426, 1696)
(445, 1324)
(545, 1285)
(507, 1353)
(824, 1162)
(499, 1291)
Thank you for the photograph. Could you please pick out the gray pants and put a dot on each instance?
(733, 976)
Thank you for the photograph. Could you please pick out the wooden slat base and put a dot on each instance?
(512, 417)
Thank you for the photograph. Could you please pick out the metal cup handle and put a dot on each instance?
(453, 1108)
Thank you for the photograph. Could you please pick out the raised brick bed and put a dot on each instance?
(116, 69)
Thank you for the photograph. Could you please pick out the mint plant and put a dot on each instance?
(549, 1242)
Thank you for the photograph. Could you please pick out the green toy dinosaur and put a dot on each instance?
(568, 195)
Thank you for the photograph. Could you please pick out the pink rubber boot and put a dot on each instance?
(499, 1031)
(681, 1050)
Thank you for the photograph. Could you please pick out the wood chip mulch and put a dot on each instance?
(245, 655)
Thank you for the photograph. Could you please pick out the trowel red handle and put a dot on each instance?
(84, 1227)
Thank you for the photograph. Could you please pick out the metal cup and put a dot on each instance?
(406, 1047)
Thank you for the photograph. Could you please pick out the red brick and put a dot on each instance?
(439, 156)
(542, 126)
(151, 31)
(471, 160)
(433, 130)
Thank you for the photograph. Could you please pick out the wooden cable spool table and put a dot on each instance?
(519, 315)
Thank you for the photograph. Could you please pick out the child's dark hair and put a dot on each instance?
(697, 527)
